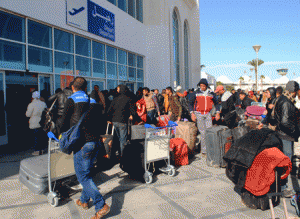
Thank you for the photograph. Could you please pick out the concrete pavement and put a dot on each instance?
(196, 191)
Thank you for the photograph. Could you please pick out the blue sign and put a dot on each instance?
(101, 21)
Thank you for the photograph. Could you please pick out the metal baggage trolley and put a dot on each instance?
(157, 147)
(60, 166)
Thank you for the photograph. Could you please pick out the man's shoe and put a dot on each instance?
(104, 211)
(85, 206)
(288, 193)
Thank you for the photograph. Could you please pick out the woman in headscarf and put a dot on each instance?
(34, 111)
(252, 96)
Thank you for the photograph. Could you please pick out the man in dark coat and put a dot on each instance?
(245, 100)
(61, 100)
(160, 100)
(227, 107)
(119, 112)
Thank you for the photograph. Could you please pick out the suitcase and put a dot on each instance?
(218, 141)
(34, 174)
(179, 151)
(188, 132)
(252, 123)
(108, 141)
(132, 161)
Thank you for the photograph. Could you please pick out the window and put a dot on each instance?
(111, 54)
(132, 74)
(83, 46)
(186, 55)
(140, 75)
(39, 59)
(111, 70)
(122, 4)
(83, 66)
(112, 1)
(39, 34)
(131, 60)
(98, 69)
(98, 50)
(111, 84)
(131, 8)
(101, 85)
(64, 63)
(12, 55)
(140, 63)
(122, 70)
(122, 57)
(139, 10)
(63, 41)
(12, 27)
(176, 75)
(140, 85)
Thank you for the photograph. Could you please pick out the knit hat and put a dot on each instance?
(203, 81)
(292, 86)
(36, 95)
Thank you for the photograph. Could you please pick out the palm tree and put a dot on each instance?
(254, 64)
(219, 83)
(241, 79)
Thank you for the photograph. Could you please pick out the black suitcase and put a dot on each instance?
(218, 140)
(132, 161)
(34, 174)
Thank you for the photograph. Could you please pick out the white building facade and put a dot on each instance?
(45, 44)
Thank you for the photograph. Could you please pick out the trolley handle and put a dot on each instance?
(51, 135)
(170, 125)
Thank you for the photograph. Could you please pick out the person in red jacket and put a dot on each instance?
(203, 100)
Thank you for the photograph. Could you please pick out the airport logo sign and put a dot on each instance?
(88, 16)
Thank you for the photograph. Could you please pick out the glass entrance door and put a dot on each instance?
(3, 123)
(45, 86)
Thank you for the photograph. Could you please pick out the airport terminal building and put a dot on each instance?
(44, 44)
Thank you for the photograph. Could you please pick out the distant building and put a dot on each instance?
(210, 79)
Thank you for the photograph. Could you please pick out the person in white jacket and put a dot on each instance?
(34, 111)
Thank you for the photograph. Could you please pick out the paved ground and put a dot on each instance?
(196, 191)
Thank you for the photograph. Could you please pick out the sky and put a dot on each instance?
(229, 29)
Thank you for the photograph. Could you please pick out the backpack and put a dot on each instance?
(71, 139)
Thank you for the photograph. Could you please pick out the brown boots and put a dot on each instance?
(104, 211)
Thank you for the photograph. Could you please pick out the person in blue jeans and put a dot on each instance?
(85, 153)
(119, 112)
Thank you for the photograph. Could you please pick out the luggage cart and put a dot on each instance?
(157, 147)
(60, 166)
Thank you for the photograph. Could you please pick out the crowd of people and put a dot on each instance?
(121, 107)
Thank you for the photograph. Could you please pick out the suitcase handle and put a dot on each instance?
(112, 129)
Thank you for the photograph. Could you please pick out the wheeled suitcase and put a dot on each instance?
(34, 174)
(218, 141)
(179, 151)
(188, 132)
(108, 141)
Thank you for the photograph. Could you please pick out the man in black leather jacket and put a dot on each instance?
(61, 101)
(286, 119)
(245, 101)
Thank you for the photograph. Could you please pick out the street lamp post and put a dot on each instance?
(256, 49)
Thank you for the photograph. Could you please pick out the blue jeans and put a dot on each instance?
(122, 132)
(151, 117)
(37, 139)
(83, 162)
(288, 151)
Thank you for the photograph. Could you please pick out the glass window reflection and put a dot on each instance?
(39, 34)
(63, 41)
